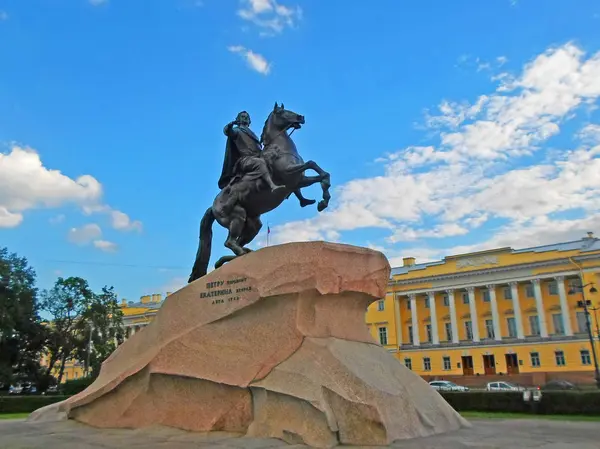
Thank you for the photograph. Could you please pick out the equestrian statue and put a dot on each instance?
(257, 176)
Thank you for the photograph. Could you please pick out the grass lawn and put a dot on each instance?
(491, 415)
(14, 415)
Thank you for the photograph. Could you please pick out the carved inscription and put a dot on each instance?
(229, 289)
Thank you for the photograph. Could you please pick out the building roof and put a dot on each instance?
(586, 244)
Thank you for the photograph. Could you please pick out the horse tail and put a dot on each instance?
(204, 247)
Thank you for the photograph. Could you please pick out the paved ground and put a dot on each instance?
(485, 434)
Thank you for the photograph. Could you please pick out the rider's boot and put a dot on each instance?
(274, 187)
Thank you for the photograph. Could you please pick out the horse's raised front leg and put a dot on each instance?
(324, 178)
(303, 201)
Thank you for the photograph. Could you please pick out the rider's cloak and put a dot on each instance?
(236, 147)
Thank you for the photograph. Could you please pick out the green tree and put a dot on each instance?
(103, 326)
(22, 336)
(84, 324)
(66, 304)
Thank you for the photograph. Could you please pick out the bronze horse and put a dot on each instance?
(240, 204)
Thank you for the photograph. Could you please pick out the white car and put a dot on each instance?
(446, 385)
(503, 386)
(15, 389)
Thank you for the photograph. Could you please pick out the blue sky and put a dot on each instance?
(447, 126)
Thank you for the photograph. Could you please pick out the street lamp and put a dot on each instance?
(588, 326)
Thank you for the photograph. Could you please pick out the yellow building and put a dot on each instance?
(498, 312)
(136, 315)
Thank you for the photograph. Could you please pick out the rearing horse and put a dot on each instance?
(240, 204)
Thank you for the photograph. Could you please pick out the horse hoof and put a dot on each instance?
(247, 250)
(305, 203)
(321, 206)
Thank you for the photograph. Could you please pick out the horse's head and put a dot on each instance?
(280, 120)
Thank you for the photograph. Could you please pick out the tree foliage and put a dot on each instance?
(21, 335)
(84, 325)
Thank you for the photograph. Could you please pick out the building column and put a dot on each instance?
(398, 322)
(435, 336)
(415, 320)
(473, 311)
(453, 320)
(539, 305)
(564, 306)
(514, 289)
(495, 314)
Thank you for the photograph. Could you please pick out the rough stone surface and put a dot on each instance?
(273, 344)
(485, 434)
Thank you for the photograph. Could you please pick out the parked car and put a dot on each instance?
(504, 386)
(559, 385)
(446, 385)
(15, 389)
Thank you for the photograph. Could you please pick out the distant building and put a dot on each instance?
(490, 313)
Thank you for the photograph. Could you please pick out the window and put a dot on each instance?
(585, 357)
(408, 362)
(581, 322)
(489, 327)
(446, 301)
(512, 327)
(426, 364)
(529, 291)
(448, 327)
(557, 321)
(486, 296)
(410, 335)
(381, 305)
(574, 286)
(535, 359)
(465, 298)
(469, 330)
(408, 304)
(427, 302)
(553, 288)
(507, 292)
(534, 324)
(447, 364)
(76, 374)
(428, 330)
(383, 336)
(559, 356)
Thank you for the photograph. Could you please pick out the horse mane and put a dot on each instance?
(264, 131)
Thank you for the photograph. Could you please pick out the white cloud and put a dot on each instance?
(477, 172)
(91, 234)
(122, 222)
(9, 219)
(26, 184)
(255, 61)
(269, 15)
(590, 134)
(106, 246)
(85, 234)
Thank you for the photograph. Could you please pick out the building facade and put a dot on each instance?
(136, 315)
(491, 313)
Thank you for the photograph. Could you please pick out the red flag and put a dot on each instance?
(268, 230)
